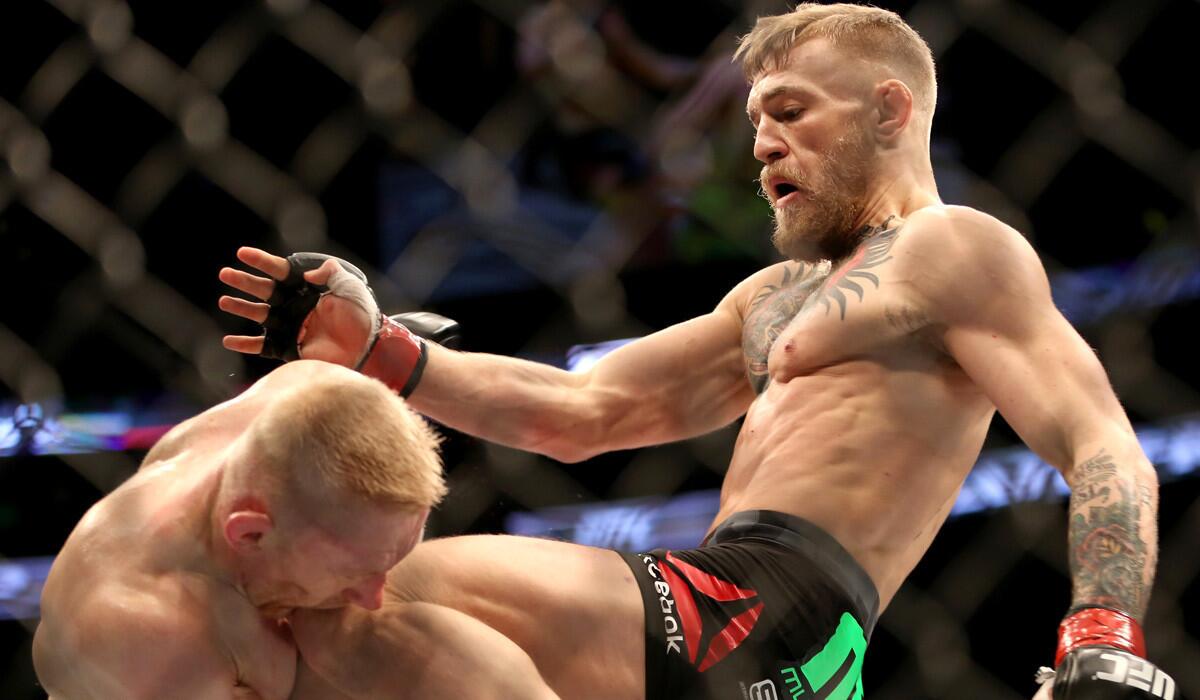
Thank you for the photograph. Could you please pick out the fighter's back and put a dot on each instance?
(864, 424)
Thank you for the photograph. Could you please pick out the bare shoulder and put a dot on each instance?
(172, 444)
(119, 640)
(158, 606)
(945, 235)
(957, 258)
(741, 299)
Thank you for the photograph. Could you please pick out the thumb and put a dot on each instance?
(1044, 693)
(322, 274)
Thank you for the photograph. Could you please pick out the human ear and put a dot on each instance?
(244, 529)
(895, 104)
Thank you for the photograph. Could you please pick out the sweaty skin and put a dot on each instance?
(867, 389)
(863, 424)
(867, 370)
(148, 599)
(129, 609)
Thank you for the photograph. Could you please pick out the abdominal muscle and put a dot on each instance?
(873, 456)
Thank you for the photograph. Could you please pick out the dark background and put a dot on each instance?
(509, 164)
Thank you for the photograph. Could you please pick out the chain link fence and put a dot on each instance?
(555, 174)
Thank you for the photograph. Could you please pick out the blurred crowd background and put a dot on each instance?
(556, 175)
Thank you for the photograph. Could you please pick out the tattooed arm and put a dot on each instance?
(986, 292)
(984, 289)
(1112, 532)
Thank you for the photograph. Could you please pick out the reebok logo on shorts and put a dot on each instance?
(666, 602)
(677, 584)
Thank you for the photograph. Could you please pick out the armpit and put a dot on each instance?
(912, 321)
(906, 319)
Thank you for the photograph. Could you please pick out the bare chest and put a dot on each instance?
(818, 316)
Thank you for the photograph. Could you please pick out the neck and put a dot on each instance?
(217, 559)
(898, 192)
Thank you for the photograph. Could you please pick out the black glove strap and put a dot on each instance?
(292, 300)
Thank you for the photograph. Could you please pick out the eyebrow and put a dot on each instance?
(774, 92)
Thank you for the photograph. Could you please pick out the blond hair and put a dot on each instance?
(869, 32)
(350, 436)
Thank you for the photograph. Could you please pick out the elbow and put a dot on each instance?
(570, 454)
(568, 446)
(1146, 477)
(1124, 458)
(577, 432)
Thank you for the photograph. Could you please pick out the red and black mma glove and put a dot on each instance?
(395, 351)
(1101, 656)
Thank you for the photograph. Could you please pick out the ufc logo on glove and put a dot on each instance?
(1138, 673)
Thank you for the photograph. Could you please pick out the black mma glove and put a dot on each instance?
(1100, 673)
(395, 350)
(1100, 657)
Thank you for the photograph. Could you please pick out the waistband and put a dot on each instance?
(810, 540)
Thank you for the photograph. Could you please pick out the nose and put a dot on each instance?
(368, 593)
(769, 145)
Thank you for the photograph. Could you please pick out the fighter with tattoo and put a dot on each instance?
(866, 369)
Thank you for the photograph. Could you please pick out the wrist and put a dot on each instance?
(396, 357)
(1093, 626)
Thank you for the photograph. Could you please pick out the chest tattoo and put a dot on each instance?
(806, 284)
(872, 253)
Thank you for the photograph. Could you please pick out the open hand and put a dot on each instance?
(337, 330)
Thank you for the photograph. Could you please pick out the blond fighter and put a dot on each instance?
(303, 492)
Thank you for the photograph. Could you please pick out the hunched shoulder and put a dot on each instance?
(942, 236)
(956, 258)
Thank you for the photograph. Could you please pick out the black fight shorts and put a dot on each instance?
(769, 607)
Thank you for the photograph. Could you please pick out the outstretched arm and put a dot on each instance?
(684, 381)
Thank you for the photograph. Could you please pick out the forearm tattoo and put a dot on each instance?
(1111, 563)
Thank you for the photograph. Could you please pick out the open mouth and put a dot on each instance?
(783, 191)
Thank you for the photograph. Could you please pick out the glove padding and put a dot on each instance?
(294, 298)
(431, 327)
(1101, 673)
(397, 352)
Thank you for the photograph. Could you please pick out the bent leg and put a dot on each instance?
(576, 611)
(409, 650)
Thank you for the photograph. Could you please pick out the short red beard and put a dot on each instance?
(822, 227)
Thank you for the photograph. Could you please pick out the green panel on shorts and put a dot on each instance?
(847, 641)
